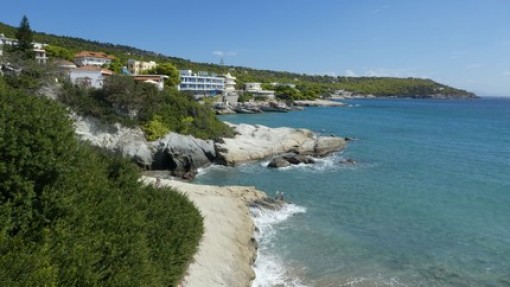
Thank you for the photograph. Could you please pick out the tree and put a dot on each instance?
(168, 70)
(58, 52)
(115, 65)
(25, 39)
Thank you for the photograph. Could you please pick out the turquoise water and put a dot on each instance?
(428, 203)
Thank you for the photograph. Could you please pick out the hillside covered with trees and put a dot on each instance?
(71, 214)
(308, 86)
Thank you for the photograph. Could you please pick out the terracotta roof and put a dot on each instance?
(90, 54)
(147, 78)
(89, 68)
(106, 72)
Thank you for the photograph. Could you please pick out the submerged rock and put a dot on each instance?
(278, 162)
(348, 161)
(268, 203)
(290, 159)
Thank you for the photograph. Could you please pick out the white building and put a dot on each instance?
(4, 41)
(201, 83)
(135, 67)
(157, 80)
(252, 87)
(88, 76)
(230, 83)
(88, 58)
(39, 52)
(256, 90)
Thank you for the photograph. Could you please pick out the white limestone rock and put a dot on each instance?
(256, 142)
(129, 142)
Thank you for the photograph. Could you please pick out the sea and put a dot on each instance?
(426, 202)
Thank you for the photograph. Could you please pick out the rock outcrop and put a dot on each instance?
(290, 159)
(256, 142)
(180, 154)
(183, 155)
(129, 142)
(317, 103)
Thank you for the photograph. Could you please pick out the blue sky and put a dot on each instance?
(464, 43)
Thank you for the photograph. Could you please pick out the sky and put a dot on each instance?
(462, 43)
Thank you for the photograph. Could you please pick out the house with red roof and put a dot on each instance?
(88, 58)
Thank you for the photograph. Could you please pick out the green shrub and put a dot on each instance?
(176, 111)
(245, 97)
(71, 215)
(155, 128)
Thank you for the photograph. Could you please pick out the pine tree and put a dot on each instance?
(25, 39)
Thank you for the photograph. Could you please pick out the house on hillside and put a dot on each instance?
(230, 83)
(88, 58)
(256, 90)
(38, 48)
(89, 76)
(135, 67)
(40, 53)
(157, 80)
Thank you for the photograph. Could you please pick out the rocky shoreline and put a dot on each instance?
(228, 249)
(183, 155)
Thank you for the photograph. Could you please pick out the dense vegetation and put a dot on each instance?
(70, 215)
(308, 86)
(140, 104)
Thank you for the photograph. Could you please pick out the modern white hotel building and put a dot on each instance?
(201, 83)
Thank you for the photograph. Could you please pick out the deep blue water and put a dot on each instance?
(428, 203)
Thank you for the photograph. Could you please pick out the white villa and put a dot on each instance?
(157, 80)
(89, 76)
(135, 67)
(40, 53)
(201, 83)
(256, 90)
(88, 58)
(230, 83)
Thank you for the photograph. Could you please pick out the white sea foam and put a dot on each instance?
(204, 170)
(330, 163)
(269, 268)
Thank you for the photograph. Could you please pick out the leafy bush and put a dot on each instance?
(245, 97)
(121, 94)
(155, 128)
(70, 215)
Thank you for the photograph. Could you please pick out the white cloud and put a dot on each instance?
(223, 54)
(383, 73)
(350, 73)
(330, 73)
